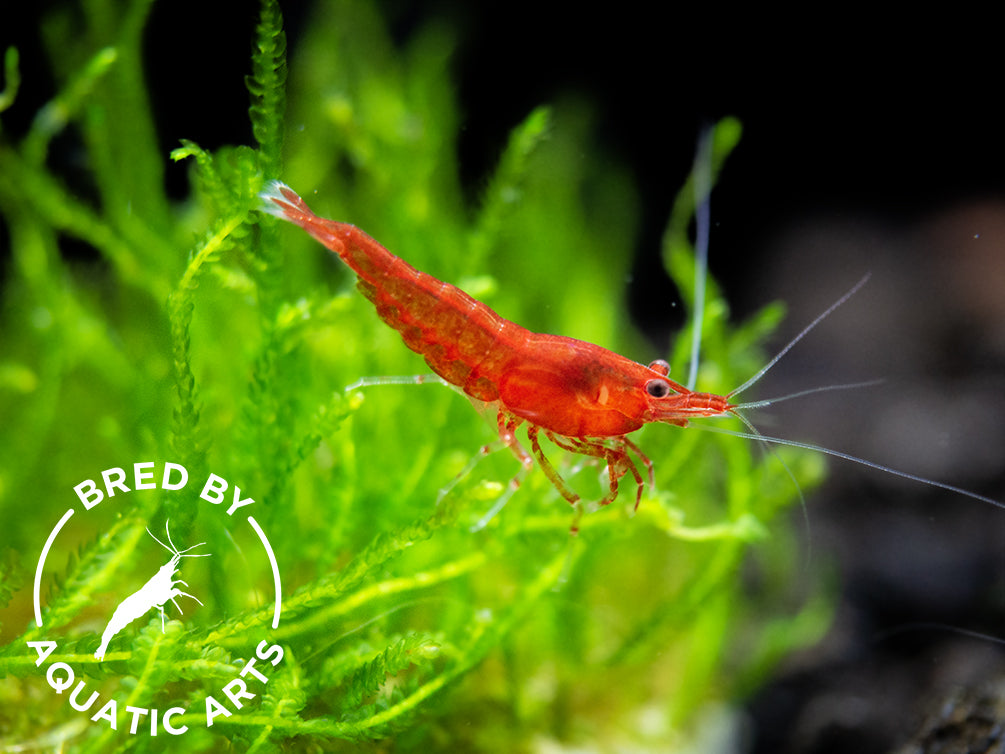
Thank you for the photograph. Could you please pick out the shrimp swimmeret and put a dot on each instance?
(584, 398)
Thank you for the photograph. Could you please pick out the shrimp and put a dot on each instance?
(581, 396)
(161, 587)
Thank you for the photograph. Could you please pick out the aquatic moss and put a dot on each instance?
(209, 335)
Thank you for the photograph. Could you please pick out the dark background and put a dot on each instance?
(873, 141)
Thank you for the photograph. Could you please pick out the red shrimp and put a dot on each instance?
(584, 398)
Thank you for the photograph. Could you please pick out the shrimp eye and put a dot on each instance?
(658, 388)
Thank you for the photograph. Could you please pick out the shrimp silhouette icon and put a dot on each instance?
(161, 587)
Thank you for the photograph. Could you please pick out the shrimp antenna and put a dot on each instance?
(173, 549)
(926, 626)
(809, 391)
(766, 446)
(756, 435)
(805, 331)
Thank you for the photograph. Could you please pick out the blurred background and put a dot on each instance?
(873, 143)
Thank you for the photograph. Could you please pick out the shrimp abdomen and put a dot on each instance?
(461, 339)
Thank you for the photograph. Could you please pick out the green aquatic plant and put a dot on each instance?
(206, 335)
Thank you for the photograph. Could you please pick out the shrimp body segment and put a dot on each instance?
(583, 397)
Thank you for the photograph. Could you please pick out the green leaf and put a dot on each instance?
(267, 86)
(12, 78)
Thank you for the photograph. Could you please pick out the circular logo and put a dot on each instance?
(148, 600)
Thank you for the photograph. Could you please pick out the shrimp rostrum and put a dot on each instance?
(584, 398)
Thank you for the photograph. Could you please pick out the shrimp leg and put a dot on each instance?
(546, 466)
(619, 462)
